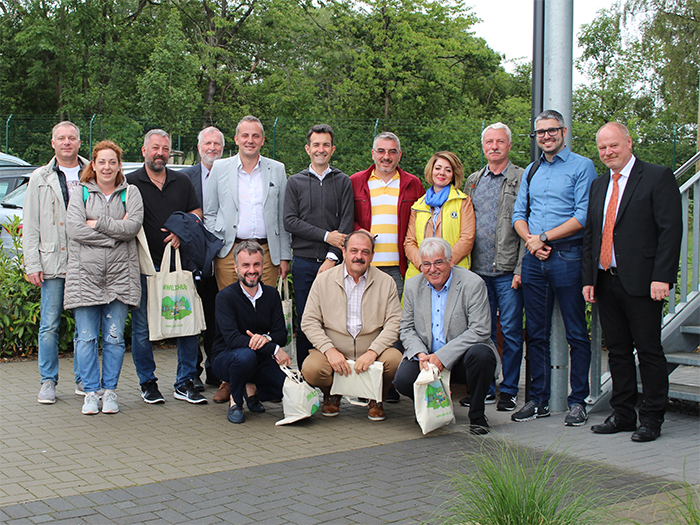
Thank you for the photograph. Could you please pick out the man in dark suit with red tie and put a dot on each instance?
(631, 247)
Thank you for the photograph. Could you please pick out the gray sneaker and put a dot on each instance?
(80, 390)
(109, 402)
(91, 404)
(577, 416)
(47, 394)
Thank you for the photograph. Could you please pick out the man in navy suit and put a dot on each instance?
(631, 248)
(210, 144)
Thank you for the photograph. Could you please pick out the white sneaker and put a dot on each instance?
(91, 404)
(109, 402)
(47, 394)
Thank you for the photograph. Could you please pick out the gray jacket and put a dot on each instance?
(509, 246)
(467, 318)
(44, 223)
(103, 262)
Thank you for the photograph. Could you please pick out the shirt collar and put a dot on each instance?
(240, 164)
(373, 176)
(257, 295)
(625, 172)
(563, 155)
(322, 175)
(346, 274)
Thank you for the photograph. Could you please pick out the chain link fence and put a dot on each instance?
(28, 137)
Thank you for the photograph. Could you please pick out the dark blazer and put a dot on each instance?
(648, 229)
(195, 175)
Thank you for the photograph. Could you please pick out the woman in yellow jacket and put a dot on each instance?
(444, 212)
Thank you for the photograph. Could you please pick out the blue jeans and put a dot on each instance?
(557, 276)
(142, 348)
(50, 319)
(239, 366)
(508, 302)
(304, 271)
(88, 321)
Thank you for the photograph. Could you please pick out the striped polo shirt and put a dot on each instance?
(385, 202)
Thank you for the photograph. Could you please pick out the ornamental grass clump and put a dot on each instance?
(508, 485)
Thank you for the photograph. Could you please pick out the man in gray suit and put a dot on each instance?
(244, 201)
(210, 144)
(453, 333)
(254, 185)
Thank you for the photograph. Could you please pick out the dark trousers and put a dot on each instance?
(475, 368)
(630, 322)
(207, 290)
(239, 366)
(304, 272)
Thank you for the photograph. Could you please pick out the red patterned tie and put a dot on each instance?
(607, 244)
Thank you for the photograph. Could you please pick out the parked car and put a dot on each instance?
(11, 160)
(10, 207)
(13, 177)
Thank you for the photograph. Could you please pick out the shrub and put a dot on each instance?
(20, 304)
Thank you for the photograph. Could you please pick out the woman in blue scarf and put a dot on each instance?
(444, 212)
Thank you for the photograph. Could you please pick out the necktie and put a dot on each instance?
(607, 244)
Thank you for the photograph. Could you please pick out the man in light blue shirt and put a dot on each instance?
(550, 214)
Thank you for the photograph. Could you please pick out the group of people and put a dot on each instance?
(382, 270)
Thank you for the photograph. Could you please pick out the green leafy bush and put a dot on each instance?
(20, 304)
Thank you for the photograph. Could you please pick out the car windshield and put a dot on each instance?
(16, 198)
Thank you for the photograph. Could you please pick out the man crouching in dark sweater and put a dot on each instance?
(319, 211)
(249, 331)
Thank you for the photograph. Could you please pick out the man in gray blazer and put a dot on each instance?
(245, 201)
(210, 144)
(453, 332)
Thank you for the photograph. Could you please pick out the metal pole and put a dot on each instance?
(558, 83)
(376, 125)
(91, 121)
(274, 138)
(675, 141)
(537, 70)
(559, 53)
(7, 134)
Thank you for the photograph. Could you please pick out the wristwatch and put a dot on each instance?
(543, 237)
(268, 337)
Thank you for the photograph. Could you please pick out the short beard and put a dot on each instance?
(151, 164)
(249, 284)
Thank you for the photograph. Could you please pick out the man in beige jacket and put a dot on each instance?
(352, 312)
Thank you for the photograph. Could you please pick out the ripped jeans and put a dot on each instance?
(88, 320)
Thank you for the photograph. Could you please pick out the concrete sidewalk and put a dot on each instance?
(186, 463)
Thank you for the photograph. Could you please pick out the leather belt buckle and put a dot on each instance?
(612, 270)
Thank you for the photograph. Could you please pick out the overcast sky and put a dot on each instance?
(507, 26)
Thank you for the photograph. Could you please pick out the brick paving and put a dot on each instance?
(178, 462)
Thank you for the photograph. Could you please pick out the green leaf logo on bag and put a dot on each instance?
(176, 307)
(435, 396)
(316, 404)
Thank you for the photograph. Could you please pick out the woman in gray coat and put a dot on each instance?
(104, 216)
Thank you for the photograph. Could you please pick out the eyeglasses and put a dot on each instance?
(439, 264)
(391, 152)
(549, 131)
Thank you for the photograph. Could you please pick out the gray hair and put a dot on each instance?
(387, 135)
(359, 232)
(251, 247)
(159, 132)
(251, 118)
(550, 114)
(497, 125)
(65, 123)
(209, 130)
(434, 246)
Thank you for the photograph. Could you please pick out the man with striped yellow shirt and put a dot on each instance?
(384, 194)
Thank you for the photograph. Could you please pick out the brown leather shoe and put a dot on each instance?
(376, 411)
(223, 394)
(331, 406)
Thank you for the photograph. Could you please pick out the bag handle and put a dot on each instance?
(294, 375)
(165, 261)
(283, 288)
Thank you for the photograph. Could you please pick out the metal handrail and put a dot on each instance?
(688, 164)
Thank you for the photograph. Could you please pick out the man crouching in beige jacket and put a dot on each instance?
(353, 312)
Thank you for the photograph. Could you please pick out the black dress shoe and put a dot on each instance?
(254, 404)
(613, 425)
(646, 432)
(198, 385)
(479, 426)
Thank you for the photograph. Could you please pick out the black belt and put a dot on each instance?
(259, 241)
(612, 270)
(564, 246)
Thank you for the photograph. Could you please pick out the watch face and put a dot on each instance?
(543, 237)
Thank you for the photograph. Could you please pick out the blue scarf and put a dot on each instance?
(436, 200)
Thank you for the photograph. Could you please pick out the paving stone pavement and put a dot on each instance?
(178, 462)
